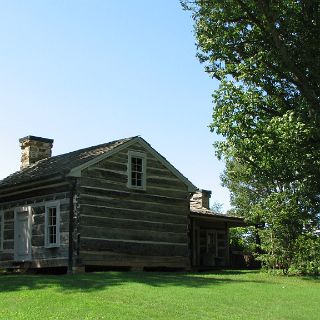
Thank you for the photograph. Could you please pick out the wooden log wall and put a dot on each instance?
(120, 226)
(40, 256)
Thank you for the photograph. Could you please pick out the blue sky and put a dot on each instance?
(87, 72)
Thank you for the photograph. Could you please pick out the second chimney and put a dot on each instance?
(201, 199)
(34, 149)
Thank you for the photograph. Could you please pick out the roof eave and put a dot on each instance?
(236, 220)
(52, 177)
(76, 172)
(166, 163)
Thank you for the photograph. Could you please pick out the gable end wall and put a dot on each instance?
(120, 226)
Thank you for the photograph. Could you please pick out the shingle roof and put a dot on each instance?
(59, 165)
(196, 209)
(203, 212)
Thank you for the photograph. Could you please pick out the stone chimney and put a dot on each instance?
(34, 149)
(201, 199)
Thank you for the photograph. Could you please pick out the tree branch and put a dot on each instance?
(300, 79)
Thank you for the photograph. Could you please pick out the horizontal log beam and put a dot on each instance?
(137, 224)
(128, 234)
(118, 259)
(131, 204)
(144, 248)
(126, 213)
(164, 191)
(126, 195)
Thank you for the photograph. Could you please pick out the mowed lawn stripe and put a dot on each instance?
(149, 295)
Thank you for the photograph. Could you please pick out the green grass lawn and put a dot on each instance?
(148, 295)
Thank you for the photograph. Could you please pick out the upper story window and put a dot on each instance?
(1, 229)
(137, 170)
(52, 224)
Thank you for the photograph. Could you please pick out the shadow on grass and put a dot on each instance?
(104, 280)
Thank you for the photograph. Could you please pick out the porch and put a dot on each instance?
(209, 233)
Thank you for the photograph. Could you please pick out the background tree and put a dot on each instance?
(217, 207)
(266, 55)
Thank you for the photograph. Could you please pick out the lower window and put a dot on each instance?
(1, 230)
(52, 224)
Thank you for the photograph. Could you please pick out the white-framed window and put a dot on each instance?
(52, 224)
(137, 162)
(1, 229)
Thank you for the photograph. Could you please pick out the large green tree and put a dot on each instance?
(266, 55)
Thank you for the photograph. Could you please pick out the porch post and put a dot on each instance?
(72, 183)
(194, 255)
(227, 245)
(198, 246)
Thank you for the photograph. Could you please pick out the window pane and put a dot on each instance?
(52, 226)
(137, 171)
(1, 231)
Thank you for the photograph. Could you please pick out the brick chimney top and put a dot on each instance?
(34, 149)
(34, 138)
(201, 199)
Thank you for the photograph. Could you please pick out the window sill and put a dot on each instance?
(137, 188)
(52, 246)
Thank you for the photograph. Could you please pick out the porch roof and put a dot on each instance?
(208, 215)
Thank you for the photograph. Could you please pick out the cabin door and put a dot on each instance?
(22, 245)
(208, 247)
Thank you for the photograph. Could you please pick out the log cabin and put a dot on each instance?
(118, 204)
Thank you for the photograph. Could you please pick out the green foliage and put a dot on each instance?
(242, 239)
(267, 108)
(216, 207)
(307, 255)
